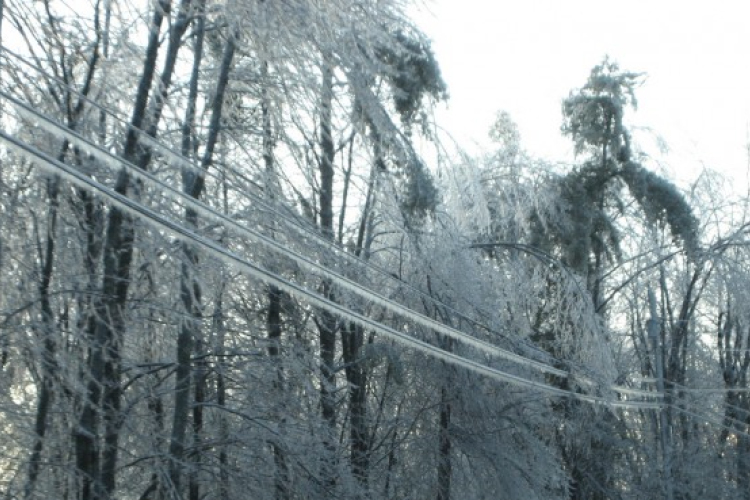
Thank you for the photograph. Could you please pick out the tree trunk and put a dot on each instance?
(221, 395)
(326, 322)
(352, 340)
(273, 324)
(199, 398)
(200, 389)
(444, 457)
(743, 464)
(49, 363)
(327, 152)
(654, 332)
(273, 317)
(445, 464)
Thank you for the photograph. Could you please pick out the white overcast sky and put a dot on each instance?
(524, 56)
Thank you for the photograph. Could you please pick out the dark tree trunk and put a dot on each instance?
(273, 324)
(200, 389)
(743, 464)
(187, 147)
(444, 457)
(221, 395)
(352, 339)
(327, 152)
(49, 363)
(445, 464)
(273, 318)
(326, 322)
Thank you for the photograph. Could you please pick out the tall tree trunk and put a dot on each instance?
(273, 317)
(445, 463)
(188, 146)
(190, 294)
(221, 395)
(49, 363)
(199, 399)
(126, 237)
(743, 465)
(326, 322)
(654, 332)
(273, 324)
(352, 341)
(328, 152)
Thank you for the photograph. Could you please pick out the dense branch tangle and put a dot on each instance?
(238, 345)
(185, 234)
(341, 281)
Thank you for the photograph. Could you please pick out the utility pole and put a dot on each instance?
(666, 432)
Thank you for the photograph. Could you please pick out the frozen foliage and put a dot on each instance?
(593, 115)
(594, 119)
(413, 73)
(662, 202)
(476, 330)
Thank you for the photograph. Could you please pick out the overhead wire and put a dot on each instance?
(293, 222)
(714, 418)
(209, 212)
(184, 234)
(707, 390)
(108, 158)
(708, 419)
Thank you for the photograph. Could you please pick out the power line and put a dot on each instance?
(106, 157)
(186, 235)
(684, 388)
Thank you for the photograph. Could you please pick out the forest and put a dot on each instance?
(240, 260)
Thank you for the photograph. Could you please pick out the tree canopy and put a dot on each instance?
(238, 259)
